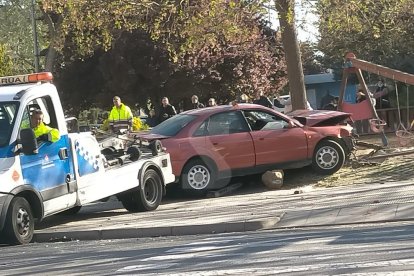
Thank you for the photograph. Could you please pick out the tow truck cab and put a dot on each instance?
(40, 178)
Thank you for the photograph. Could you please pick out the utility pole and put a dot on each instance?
(35, 46)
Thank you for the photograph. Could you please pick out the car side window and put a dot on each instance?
(223, 124)
(260, 120)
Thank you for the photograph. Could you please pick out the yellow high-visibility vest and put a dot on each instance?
(52, 133)
(121, 113)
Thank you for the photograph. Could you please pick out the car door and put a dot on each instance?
(50, 171)
(274, 140)
(229, 140)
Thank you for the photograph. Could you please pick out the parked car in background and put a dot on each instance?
(224, 141)
(283, 104)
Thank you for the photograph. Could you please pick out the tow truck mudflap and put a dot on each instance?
(5, 200)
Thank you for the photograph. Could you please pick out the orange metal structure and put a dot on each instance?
(354, 65)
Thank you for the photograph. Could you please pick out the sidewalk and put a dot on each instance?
(363, 203)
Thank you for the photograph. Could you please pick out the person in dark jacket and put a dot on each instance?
(166, 110)
(195, 104)
(152, 120)
(263, 100)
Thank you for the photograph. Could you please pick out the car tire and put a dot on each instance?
(198, 176)
(147, 196)
(19, 227)
(328, 157)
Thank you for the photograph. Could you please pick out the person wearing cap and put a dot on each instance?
(41, 131)
(120, 116)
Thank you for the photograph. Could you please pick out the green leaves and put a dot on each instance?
(6, 64)
(381, 31)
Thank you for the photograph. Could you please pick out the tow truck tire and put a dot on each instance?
(19, 227)
(328, 157)
(156, 147)
(134, 153)
(147, 197)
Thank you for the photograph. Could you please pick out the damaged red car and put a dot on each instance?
(221, 142)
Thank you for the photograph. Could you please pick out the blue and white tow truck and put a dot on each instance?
(40, 178)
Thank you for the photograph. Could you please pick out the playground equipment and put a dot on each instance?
(366, 108)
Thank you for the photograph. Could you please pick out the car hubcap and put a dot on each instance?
(327, 157)
(23, 222)
(198, 177)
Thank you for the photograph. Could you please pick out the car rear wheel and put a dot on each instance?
(328, 157)
(198, 176)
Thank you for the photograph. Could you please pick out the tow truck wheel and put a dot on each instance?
(134, 153)
(328, 157)
(19, 228)
(156, 147)
(147, 197)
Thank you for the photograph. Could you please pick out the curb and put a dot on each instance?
(130, 233)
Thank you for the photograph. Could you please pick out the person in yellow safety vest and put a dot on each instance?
(42, 131)
(120, 116)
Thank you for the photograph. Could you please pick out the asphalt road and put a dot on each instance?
(380, 249)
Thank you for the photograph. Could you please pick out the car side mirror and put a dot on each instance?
(28, 142)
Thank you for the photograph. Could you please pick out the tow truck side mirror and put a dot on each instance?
(72, 124)
(28, 141)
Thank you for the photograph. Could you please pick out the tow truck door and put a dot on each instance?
(50, 171)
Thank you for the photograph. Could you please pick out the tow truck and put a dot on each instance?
(40, 178)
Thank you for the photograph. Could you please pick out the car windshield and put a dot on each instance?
(173, 125)
(8, 111)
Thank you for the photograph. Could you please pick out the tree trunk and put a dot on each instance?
(53, 28)
(285, 9)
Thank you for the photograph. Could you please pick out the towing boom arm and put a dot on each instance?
(352, 61)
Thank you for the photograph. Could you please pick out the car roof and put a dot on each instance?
(206, 111)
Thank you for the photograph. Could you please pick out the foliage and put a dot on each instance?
(185, 53)
(16, 33)
(311, 60)
(6, 64)
(380, 31)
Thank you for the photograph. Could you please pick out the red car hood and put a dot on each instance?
(314, 118)
(149, 136)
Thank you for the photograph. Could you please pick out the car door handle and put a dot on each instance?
(261, 138)
(215, 144)
(63, 153)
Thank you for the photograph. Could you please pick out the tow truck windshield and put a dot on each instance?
(8, 111)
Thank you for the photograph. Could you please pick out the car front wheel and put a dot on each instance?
(197, 176)
(328, 157)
